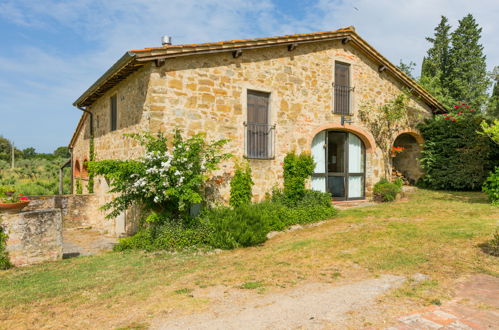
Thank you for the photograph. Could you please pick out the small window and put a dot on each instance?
(114, 113)
(342, 88)
(259, 133)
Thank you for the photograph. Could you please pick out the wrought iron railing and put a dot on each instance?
(342, 99)
(259, 140)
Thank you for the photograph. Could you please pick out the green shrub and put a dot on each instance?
(455, 155)
(241, 226)
(491, 186)
(386, 191)
(79, 186)
(297, 169)
(4, 257)
(167, 236)
(240, 186)
(492, 247)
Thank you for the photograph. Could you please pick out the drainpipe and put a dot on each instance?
(91, 119)
(61, 175)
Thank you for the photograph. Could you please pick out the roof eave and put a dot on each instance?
(126, 60)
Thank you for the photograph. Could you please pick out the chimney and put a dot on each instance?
(166, 40)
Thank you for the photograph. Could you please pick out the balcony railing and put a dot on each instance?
(342, 99)
(259, 140)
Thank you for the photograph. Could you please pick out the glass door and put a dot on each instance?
(340, 165)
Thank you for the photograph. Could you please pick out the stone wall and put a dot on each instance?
(207, 93)
(33, 236)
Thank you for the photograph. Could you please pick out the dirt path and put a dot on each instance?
(311, 306)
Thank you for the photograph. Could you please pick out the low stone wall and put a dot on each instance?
(84, 211)
(33, 236)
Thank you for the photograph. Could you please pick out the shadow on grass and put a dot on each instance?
(472, 197)
(491, 247)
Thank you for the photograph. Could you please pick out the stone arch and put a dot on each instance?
(77, 169)
(84, 169)
(406, 163)
(366, 138)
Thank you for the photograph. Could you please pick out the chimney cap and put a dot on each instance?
(166, 40)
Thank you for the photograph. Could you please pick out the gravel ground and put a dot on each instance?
(311, 306)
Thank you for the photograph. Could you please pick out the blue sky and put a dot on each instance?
(53, 50)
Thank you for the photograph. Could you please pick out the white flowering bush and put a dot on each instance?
(166, 180)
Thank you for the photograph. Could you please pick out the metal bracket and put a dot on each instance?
(292, 46)
(237, 53)
(344, 120)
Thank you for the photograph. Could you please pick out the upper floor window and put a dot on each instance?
(114, 113)
(342, 88)
(259, 133)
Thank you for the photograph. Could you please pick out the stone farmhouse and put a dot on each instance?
(268, 96)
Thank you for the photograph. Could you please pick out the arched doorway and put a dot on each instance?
(406, 163)
(77, 169)
(340, 164)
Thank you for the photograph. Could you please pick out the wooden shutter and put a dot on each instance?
(114, 113)
(258, 107)
(342, 88)
(258, 136)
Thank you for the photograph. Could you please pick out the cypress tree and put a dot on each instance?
(467, 79)
(435, 66)
(435, 63)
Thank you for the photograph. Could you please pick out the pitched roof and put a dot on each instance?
(134, 59)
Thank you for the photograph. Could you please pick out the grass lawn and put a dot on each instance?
(434, 233)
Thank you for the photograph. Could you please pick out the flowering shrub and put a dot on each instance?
(455, 156)
(166, 181)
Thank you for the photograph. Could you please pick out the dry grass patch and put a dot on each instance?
(434, 233)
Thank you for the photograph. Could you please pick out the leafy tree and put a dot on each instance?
(467, 79)
(29, 153)
(62, 152)
(493, 104)
(407, 68)
(4, 149)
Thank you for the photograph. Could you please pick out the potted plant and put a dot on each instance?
(12, 202)
(396, 150)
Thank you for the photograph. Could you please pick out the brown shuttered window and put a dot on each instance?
(342, 88)
(259, 132)
(114, 113)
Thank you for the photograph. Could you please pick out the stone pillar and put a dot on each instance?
(34, 236)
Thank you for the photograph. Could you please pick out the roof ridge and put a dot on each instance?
(222, 42)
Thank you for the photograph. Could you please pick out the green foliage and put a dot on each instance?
(4, 257)
(467, 79)
(228, 228)
(240, 186)
(387, 191)
(239, 227)
(455, 156)
(166, 181)
(79, 186)
(29, 153)
(491, 186)
(407, 68)
(91, 175)
(492, 246)
(493, 105)
(385, 120)
(169, 235)
(297, 169)
(436, 62)
(491, 130)
(35, 176)
(62, 152)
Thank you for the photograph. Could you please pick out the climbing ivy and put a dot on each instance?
(385, 120)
